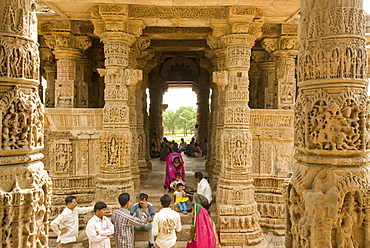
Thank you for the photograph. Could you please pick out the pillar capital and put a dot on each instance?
(62, 40)
(114, 18)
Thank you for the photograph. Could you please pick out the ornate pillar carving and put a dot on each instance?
(47, 62)
(236, 206)
(328, 194)
(118, 33)
(267, 89)
(83, 81)
(132, 99)
(155, 109)
(25, 192)
(203, 108)
(145, 63)
(285, 84)
(268, 67)
(68, 48)
(256, 84)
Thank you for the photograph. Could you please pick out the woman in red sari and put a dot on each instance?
(203, 231)
(174, 164)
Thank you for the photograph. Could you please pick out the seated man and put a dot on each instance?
(203, 194)
(136, 211)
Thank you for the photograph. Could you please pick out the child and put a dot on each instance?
(178, 180)
(99, 227)
(181, 198)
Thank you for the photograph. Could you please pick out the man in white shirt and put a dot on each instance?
(165, 225)
(66, 224)
(99, 228)
(204, 192)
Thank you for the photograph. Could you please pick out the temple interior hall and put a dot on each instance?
(281, 97)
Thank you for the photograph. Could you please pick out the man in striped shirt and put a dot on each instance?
(123, 222)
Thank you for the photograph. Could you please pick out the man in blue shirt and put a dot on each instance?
(136, 211)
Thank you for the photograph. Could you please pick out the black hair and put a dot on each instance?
(123, 199)
(143, 196)
(69, 199)
(178, 185)
(100, 206)
(198, 175)
(176, 160)
(178, 174)
(166, 201)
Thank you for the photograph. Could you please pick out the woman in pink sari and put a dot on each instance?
(203, 232)
(174, 164)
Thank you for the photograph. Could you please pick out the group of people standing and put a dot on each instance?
(162, 225)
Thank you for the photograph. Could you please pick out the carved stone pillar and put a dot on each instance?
(144, 61)
(47, 62)
(118, 34)
(211, 134)
(155, 110)
(328, 194)
(285, 82)
(68, 48)
(83, 81)
(236, 206)
(254, 76)
(203, 109)
(25, 185)
(267, 89)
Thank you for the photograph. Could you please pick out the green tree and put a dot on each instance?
(186, 118)
(169, 120)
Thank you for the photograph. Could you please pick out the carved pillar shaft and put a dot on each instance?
(25, 186)
(210, 163)
(285, 82)
(83, 82)
(155, 112)
(267, 90)
(66, 77)
(117, 34)
(328, 193)
(254, 76)
(203, 111)
(133, 128)
(237, 208)
(50, 75)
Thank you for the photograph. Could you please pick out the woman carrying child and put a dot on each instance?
(180, 198)
(174, 164)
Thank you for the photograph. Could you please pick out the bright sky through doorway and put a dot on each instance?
(177, 97)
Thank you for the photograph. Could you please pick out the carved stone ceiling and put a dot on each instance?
(172, 25)
(277, 11)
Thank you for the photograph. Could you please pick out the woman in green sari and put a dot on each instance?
(203, 231)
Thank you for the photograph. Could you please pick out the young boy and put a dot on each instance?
(136, 211)
(99, 227)
(165, 225)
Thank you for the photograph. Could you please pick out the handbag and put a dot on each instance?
(191, 244)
